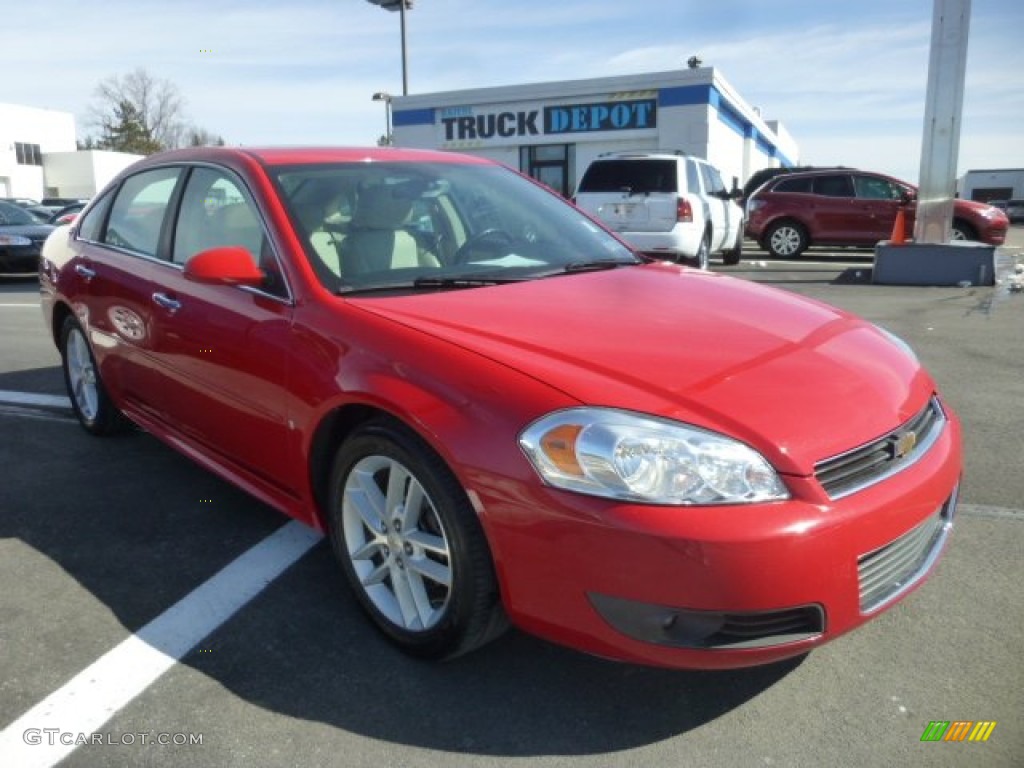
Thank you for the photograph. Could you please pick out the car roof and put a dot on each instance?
(831, 172)
(313, 155)
(642, 154)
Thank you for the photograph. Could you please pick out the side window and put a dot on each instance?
(91, 225)
(794, 185)
(139, 209)
(874, 188)
(692, 178)
(216, 211)
(833, 186)
(712, 179)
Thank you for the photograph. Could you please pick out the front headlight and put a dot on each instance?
(14, 240)
(622, 455)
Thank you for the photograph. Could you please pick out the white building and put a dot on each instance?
(38, 156)
(553, 130)
(26, 134)
(998, 184)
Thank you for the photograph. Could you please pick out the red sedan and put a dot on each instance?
(497, 412)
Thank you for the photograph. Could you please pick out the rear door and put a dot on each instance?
(726, 217)
(119, 268)
(833, 216)
(631, 194)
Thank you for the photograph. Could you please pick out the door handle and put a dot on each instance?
(85, 272)
(172, 305)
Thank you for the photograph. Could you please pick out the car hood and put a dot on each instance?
(797, 380)
(959, 204)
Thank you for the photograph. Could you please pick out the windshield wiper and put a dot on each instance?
(462, 282)
(426, 283)
(596, 265)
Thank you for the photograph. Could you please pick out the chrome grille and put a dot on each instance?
(891, 570)
(854, 470)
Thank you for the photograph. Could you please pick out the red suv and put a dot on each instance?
(850, 207)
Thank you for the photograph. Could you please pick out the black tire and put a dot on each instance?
(89, 399)
(440, 537)
(786, 240)
(732, 257)
(702, 260)
(961, 230)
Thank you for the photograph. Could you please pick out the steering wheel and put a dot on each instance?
(496, 235)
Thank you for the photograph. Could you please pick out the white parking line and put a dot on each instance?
(31, 398)
(20, 305)
(92, 697)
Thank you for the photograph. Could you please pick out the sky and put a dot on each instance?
(847, 79)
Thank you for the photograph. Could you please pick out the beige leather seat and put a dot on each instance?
(376, 240)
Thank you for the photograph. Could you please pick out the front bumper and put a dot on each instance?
(19, 260)
(720, 587)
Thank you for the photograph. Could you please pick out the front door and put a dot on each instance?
(225, 349)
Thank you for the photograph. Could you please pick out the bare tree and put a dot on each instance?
(158, 105)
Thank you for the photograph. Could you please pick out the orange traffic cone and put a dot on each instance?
(899, 228)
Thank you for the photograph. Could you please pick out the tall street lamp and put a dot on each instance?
(386, 98)
(401, 6)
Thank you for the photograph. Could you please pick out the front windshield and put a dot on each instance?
(373, 225)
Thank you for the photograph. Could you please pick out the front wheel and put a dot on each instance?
(962, 231)
(89, 400)
(410, 544)
(786, 240)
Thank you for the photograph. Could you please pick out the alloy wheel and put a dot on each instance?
(82, 375)
(396, 543)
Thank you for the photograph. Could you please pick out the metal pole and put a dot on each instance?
(405, 71)
(387, 120)
(942, 117)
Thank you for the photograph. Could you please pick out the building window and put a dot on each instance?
(553, 164)
(28, 154)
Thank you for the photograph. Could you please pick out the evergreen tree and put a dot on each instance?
(125, 131)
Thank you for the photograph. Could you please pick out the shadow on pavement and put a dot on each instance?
(139, 527)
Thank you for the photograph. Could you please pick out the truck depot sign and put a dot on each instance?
(466, 124)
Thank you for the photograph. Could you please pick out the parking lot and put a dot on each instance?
(103, 540)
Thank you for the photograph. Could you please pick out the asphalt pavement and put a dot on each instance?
(103, 540)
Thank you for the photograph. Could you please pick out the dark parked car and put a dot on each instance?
(66, 215)
(1015, 210)
(21, 239)
(850, 207)
(40, 212)
(60, 202)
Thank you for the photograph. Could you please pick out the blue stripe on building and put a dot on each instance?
(406, 117)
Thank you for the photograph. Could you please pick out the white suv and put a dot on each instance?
(664, 204)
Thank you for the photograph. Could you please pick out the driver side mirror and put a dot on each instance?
(224, 265)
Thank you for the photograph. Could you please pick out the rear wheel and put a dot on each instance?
(703, 258)
(786, 240)
(89, 399)
(732, 257)
(410, 544)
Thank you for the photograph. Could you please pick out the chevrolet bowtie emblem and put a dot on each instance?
(904, 444)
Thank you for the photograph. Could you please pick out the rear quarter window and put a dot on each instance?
(636, 176)
(804, 186)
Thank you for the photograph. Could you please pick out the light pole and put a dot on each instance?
(386, 98)
(401, 6)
